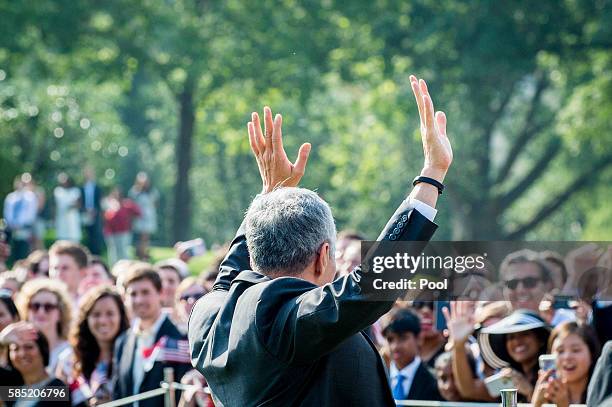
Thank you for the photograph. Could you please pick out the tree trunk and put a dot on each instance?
(182, 192)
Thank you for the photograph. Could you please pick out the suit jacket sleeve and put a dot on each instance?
(299, 322)
(236, 260)
(600, 387)
(116, 380)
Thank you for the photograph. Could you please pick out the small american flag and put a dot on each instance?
(166, 349)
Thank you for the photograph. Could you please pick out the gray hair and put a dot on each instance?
(285, 229)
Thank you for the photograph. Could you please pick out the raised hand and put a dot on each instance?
(18, 332)
(459, 321)
(436, 146)
(274, 167)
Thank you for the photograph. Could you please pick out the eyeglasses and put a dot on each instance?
(528, 282)
(191, 297)
(48, 307)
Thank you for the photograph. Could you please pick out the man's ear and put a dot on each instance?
(322, 260)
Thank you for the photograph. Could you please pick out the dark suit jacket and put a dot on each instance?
(424, 385)
(124, 359)
(97, 198)
(286, 342)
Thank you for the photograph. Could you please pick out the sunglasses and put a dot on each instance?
(420, 304)
(48, 307)
(191, 297)
(528, 282)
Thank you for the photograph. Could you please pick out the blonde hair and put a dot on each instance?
(58, 288)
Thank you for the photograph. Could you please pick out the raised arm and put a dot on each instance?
(319, 318)
(276, 171)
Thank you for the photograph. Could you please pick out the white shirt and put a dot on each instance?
(423, 208)
(144, 339)
(408, 372)
(89, 188)
(21, 215)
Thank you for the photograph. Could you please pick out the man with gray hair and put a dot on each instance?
(277, 330)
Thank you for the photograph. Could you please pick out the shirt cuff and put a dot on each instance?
(423, 208)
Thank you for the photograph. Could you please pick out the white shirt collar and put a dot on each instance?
(408, 371)
(152, 331)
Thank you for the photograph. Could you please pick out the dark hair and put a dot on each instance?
(526, 256)
(401, 321)
(542, 335)
(86, 347)
(143, 271)
(78, 252)
(585, 332)
(98, 260)
(6, 298)
(556, 259)
(35, 259)
(43, 347)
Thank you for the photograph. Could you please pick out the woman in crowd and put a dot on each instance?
(8, 315)
(432, 340)
(38, 264)
(29, 358)
(119, 215)
(47, 305)
(10, 283)
(514, 345)
(576, 349)
(67, 218)
(146, 198)
(87, 366)
(187, 293)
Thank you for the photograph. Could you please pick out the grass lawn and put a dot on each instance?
(196, 264)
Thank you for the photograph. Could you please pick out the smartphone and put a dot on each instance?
(562, 301)
(195, 247)
(440, 321)
(496, 383)
(547, 363)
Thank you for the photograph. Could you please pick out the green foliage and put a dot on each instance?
(527, 88)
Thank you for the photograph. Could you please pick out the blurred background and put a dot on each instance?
(167, 87)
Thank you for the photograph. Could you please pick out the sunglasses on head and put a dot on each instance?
(48, 307)
(191, 297)
(528, 282)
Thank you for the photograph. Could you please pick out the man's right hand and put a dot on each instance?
(274, 167)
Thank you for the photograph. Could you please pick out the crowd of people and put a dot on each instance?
(66, 318)
(81, 213)
(468, 350)
(281, 316)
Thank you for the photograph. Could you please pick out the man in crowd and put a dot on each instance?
(526, 279)
(260, 339)
(410, 378)
(68, 262)
(20, 209)
(91, 194)
(152, 343)
(171, 272)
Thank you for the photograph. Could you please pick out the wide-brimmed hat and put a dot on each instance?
(492, 339)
